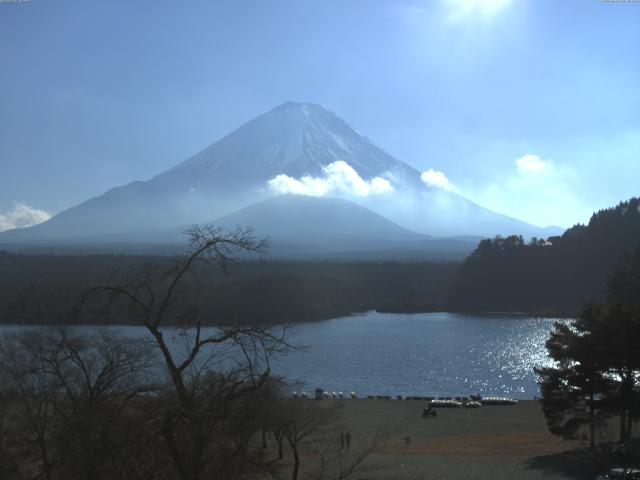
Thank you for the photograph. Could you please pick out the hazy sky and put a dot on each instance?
(530, 108)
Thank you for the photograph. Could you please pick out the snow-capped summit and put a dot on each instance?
(295, 139)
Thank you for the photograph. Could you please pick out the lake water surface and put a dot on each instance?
(429, 354)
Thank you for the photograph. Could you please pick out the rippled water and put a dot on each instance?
(437, 354)
(429, 354)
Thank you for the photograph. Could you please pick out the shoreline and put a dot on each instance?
(517, 314)
(490, 442)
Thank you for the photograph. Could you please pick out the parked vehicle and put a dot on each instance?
(620, 473)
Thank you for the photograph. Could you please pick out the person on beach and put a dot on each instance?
(341, 440)
(347, 437)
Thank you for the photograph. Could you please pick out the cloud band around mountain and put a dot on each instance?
(22, 215)
(339, 177)
(437, 179)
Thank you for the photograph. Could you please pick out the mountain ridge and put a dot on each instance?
(293, 139)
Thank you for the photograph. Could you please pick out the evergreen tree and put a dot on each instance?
(597, 360)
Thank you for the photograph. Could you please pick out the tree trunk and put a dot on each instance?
(174, 452)
(264, 437)
(45, 458)
(280, 448)
(592, 442)
(623, 424)
(296, 463)
(630, 403)
(626, 401)
(197, 452)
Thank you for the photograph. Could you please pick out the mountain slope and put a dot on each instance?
(303, 219)
(295, 139)
(292, 139)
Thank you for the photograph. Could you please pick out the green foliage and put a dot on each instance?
(597, 360)
(554, 276)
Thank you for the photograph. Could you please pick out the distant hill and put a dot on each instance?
(324, 222)
(293, 139)
(299, 226)
(559, 274)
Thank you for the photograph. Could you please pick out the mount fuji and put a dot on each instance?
(294, 148)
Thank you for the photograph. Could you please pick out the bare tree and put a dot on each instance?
(29, 395)
(337, 464)
(68, 397)
(208, 413)
(314, 427)
(304, 420)
(276, 421)
(101, 377)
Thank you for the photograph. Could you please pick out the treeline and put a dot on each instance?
(43, 289)
(557, 275)
(553, 276)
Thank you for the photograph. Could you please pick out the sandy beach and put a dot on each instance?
(491, 442)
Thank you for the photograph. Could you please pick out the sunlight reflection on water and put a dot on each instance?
(437, 354)
(427, 354)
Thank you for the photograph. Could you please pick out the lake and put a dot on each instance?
(428, 354)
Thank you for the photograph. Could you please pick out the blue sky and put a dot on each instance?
(530, 108)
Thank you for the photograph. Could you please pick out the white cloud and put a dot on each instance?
(538, 191)
(339, 177)
(21, 215)
(306, 185)
(531, 163)
(437, 179)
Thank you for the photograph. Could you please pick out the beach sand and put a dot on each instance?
(491, 442)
